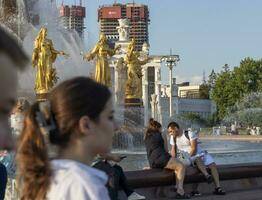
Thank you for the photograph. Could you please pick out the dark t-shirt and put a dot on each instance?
(3, 180)
(157, 156)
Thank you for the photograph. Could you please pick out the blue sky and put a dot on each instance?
(206, 34)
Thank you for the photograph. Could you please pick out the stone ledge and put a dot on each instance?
(159, 177)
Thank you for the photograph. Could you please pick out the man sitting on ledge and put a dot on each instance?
(186, 143)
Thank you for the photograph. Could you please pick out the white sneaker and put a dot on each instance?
(136, 196)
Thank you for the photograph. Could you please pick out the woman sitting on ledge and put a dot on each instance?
(187, 145)
(159, 157)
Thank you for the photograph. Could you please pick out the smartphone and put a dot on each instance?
(122, 157)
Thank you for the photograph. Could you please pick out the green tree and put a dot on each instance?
(212, 120)
(207, 86)
(248, 76)
(204, 91)
(211, 79)
(230, 86)
(222, 91)
(192, 118)
(247, 110)
(226, 68)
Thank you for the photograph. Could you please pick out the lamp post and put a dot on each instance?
(170, 62)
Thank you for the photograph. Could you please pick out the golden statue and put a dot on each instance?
(44, 55)
(102, 51)
(134, 72)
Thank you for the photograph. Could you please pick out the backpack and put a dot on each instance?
(113, 178)
(186, 134)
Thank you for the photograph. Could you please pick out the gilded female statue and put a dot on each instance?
(102, 51)
(134, 72)
(44, 55)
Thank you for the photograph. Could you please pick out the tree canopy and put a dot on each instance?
(229, 86)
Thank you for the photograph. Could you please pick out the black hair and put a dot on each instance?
(173, 125)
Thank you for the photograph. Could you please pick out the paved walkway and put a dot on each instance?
(240, 195)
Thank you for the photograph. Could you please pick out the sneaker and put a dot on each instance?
(209, 179)
(219, 191)
(173, 189)
(183, 196)
(195, 194)
(136, 196)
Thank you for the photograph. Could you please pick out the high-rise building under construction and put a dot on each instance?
(138, 14)
(73, 17)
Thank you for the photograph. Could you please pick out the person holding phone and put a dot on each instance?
(187, 142)
(117, 178)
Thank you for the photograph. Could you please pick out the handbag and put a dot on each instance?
(184, 157)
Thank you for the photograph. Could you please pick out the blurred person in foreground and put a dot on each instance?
(12, 58)
(18, 115)
(78, 121)
(17, 122)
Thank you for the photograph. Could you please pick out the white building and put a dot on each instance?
(155, 95)
(186, 99)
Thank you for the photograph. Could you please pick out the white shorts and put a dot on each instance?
(207, 159)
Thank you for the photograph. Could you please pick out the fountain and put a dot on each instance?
(16, 15)
(129, 135)
(22, 15)
(130, 114)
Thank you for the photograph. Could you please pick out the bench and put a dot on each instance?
(154, 183)
(162, 177)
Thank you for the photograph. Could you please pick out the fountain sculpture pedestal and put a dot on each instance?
(42, 96)
(134, 112)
